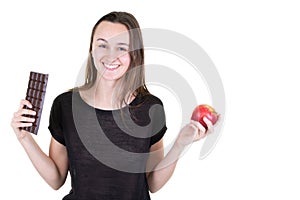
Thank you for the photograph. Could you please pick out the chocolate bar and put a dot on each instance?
(35, 94)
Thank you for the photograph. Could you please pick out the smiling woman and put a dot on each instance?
(112, 112)
(111, 50)
(116, 42)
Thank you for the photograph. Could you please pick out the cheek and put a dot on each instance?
(125, 59)
(97, 53)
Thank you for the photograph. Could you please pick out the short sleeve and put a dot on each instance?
(155, 138)
(55, 126)
(158, 120)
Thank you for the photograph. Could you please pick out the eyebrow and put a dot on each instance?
(120, 43)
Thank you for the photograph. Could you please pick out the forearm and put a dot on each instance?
(164, 169)
(42, 162)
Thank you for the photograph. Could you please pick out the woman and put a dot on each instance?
(115, 94)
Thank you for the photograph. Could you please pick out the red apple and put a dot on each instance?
(207, 111)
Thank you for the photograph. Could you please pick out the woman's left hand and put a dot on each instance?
(193, 131)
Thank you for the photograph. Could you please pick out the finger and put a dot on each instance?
(19, 119)
(21, 124)
(24, 132)
(25, 119)
(25, 112)
(200, 130)
(25, 102)
(218, 119)
(210, 126)
(199, 126)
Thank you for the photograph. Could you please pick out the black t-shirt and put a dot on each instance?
(107, 149)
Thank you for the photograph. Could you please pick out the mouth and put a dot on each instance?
(111, 67)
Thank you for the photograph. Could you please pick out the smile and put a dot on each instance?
(111, 67)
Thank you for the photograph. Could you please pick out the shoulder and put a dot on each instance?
(154, 99)
(63, 97)
(149, 99)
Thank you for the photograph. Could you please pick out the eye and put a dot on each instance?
(122, 49)
(104, 46)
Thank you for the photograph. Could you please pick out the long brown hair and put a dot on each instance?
(134, 81)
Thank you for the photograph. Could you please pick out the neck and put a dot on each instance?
(101, 95)
(102, 92)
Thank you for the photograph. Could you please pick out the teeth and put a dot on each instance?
(111, 66)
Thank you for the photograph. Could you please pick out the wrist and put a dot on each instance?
(22, 136)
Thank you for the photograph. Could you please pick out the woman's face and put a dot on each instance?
(111, 50)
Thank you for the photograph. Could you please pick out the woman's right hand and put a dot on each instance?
(19, 120)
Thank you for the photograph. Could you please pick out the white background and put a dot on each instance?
(255, 46)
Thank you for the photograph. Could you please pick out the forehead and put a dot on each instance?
(111, 32)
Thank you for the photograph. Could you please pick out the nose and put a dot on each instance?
(112, 54)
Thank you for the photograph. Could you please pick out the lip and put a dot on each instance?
(111, 67)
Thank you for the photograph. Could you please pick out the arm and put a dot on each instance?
(52, 168)
(163, 167)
